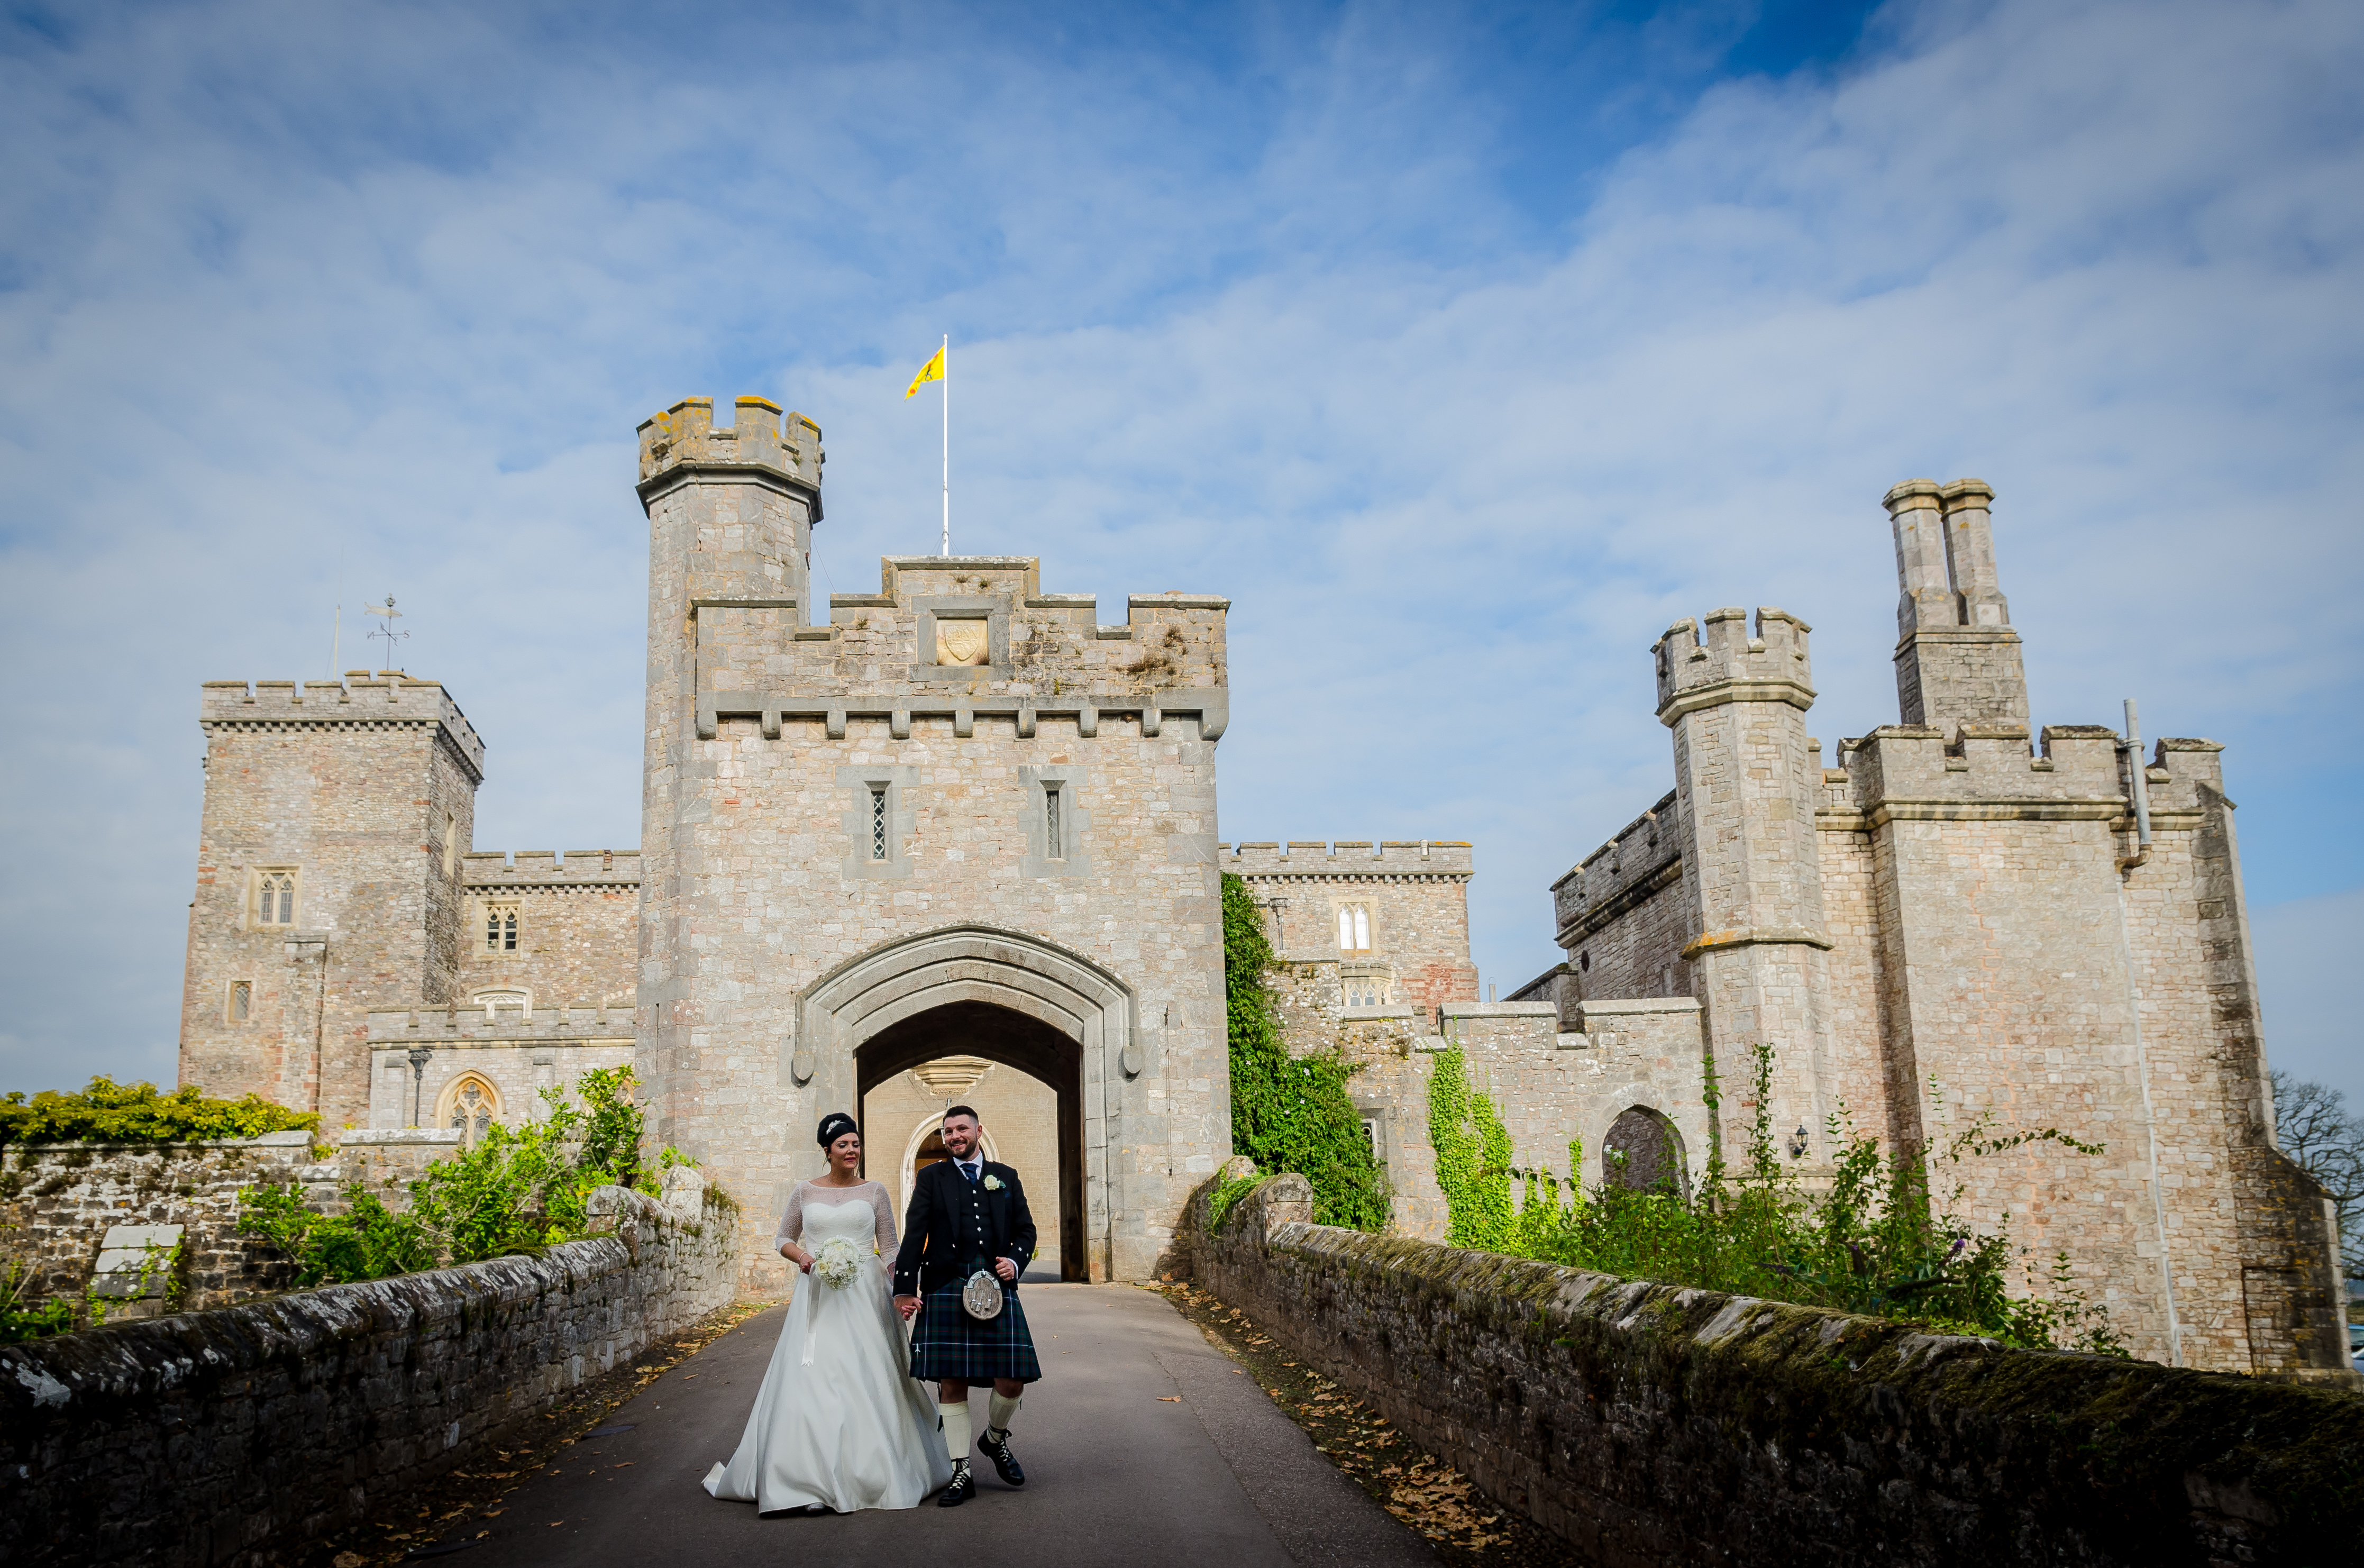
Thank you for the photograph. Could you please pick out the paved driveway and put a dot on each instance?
(1143, 1444)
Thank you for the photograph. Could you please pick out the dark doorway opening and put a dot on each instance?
(1644, 1152)
(1015, 1040)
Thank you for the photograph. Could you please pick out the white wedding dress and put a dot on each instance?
(838, 1421)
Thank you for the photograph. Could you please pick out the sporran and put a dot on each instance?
(981, 1297)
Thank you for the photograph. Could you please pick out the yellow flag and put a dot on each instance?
(932, 371)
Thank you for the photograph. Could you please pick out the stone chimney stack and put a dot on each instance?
(1958, 660)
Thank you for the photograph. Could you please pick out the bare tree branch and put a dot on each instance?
(2313, 1125)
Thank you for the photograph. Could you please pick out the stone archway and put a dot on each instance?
(1644, 1152)
(1005, 996)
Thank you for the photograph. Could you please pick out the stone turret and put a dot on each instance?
(1747, 778)
(730, 517)
(1958, 660)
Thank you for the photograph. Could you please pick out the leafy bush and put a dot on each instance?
(1226, 1194)
(109, 1112)
(368, 1241)
(1875, 1243)
(19, 1320)
(1291, 1113)
(517, 1190)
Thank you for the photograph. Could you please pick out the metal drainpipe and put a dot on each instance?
(2139, 792)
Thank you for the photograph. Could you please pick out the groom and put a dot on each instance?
(967, 1214)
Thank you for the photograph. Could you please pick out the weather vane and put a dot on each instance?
(387, 628)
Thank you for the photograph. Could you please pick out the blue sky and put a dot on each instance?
(1463, 347)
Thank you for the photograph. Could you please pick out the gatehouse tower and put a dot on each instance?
(961, 818)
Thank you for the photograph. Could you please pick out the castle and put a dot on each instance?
(965, 829)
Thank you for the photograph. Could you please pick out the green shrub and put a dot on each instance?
(1290, 1112)
(368, 1241)
(109, 1112)
(517, 1190)
(1227, 1195)
(21, 1320)
(1874, 1243)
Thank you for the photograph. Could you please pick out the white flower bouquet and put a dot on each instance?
(836, 1262)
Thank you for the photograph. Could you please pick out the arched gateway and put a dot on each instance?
(1010, 998)
(960, 817)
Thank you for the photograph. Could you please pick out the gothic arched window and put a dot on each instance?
(275, 899)
(470, 1104)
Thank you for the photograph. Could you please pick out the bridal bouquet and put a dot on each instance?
(836, 1262)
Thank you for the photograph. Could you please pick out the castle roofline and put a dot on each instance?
(391, 698)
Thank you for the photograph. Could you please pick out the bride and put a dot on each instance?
(838, 1424)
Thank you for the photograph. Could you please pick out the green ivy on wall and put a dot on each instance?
(1291, 1113)
(1473, 1158)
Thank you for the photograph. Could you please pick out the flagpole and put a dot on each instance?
(948, 443)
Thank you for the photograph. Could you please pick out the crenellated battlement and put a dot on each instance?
(1346, 858)
(1706, 664)
(684, 438)
(606, 1020)
(493, 870)
(1641, 857)
(363, 699)
(961, 638)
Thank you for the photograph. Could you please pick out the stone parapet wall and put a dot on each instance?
(237, 1435)
(59, 1199)
(1645, 1424)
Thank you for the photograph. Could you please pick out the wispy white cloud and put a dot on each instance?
(1288, 313)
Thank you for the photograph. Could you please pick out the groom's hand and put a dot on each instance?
(1005, 1268)
(907, 1305)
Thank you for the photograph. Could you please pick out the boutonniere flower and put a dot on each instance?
(993, 1183)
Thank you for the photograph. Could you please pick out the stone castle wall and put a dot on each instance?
(1622, 914)
(1949, 925)
(1414, 896)
(515, 1053)
(1645, 1425)
(578, 925)
(364, 791)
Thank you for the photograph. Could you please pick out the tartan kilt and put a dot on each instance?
(946, 1342)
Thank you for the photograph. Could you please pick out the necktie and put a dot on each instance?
(969, 1171)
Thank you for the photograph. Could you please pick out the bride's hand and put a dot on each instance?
(798, 1256)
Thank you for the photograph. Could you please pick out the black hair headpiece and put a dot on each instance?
(835, 1125)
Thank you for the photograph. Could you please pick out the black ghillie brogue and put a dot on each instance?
(1005, 1463)
(963, 1488)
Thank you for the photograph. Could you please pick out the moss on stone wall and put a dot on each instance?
(1648, 1423)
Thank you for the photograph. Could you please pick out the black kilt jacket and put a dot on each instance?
(952, 1228)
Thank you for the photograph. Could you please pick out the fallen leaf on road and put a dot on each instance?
(1169, 1399)
(348, 1560)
